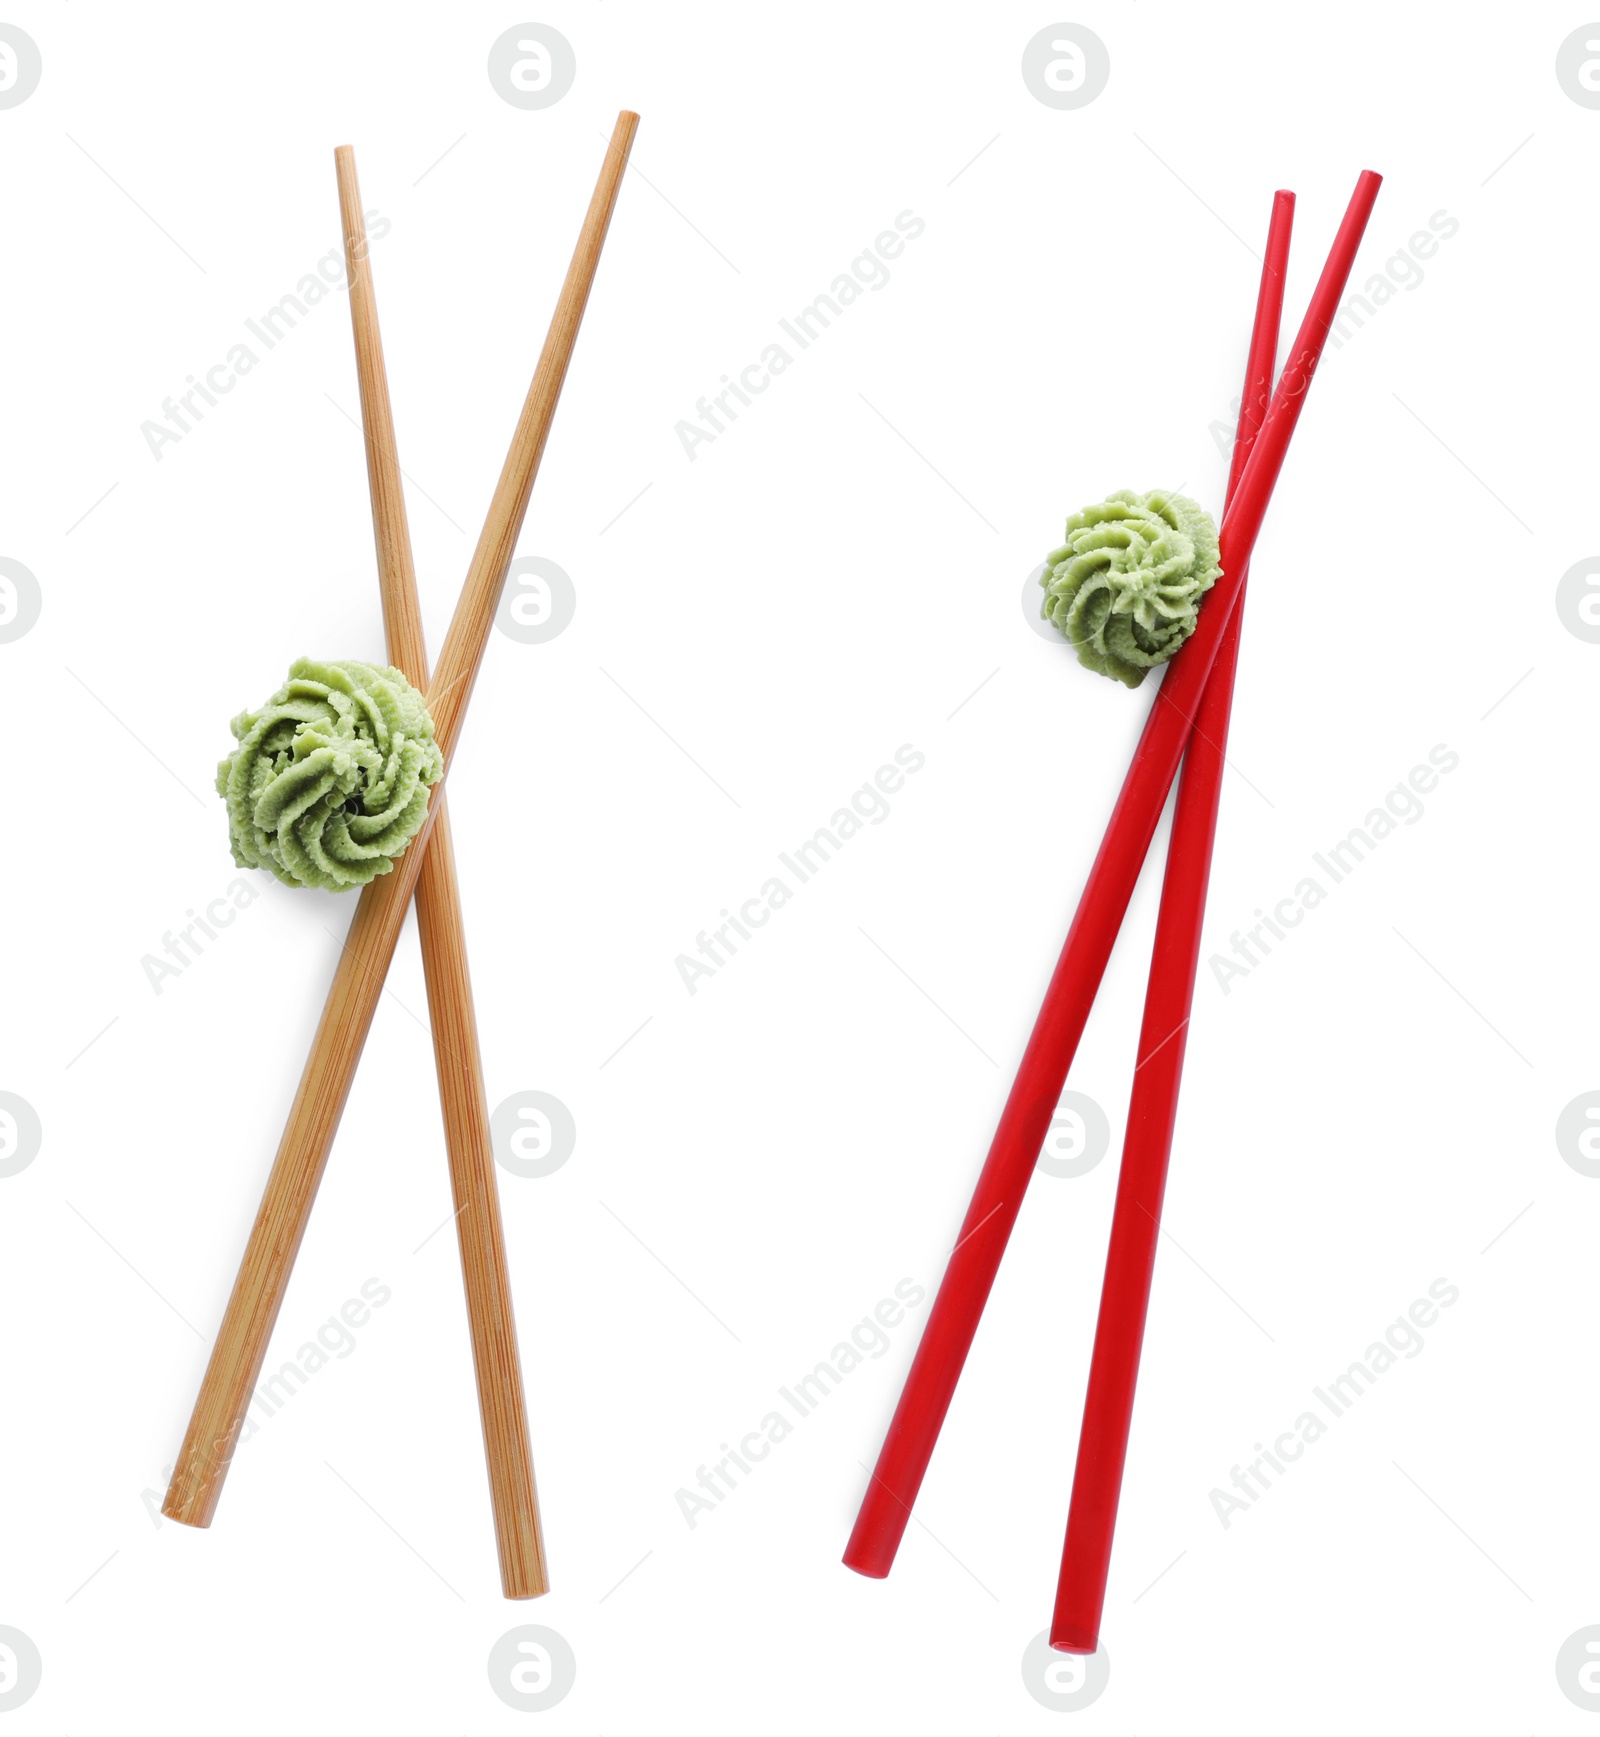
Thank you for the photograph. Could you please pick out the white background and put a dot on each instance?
(1363, 1114)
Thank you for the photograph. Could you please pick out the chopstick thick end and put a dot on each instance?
(1066, 1638)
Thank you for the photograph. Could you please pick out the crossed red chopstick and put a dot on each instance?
(1147, 1145)
(1195, 696)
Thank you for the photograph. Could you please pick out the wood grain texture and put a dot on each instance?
(465, 1106)
(275, 1237)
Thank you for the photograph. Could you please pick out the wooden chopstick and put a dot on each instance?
(958, 1305)
(1147, 1147)
(462, 1099)
(258, 1291)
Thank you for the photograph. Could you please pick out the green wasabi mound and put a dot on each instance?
(1125, 587)
(329, 781)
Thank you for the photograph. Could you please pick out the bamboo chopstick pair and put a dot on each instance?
(427, 869)
(1189, 713)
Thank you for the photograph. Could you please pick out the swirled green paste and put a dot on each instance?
(329, 781)
(1125, 586)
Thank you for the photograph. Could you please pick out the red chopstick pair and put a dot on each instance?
(1186, 701)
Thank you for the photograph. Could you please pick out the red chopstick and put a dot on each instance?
(1136, 1223)
(969, 1276)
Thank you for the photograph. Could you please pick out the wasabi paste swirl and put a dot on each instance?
(329, 782)
(1125, 587)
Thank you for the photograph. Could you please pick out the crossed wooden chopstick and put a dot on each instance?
(427, 869)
